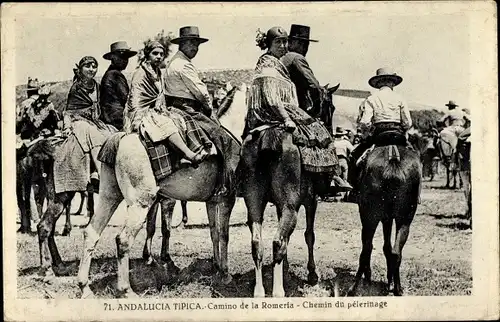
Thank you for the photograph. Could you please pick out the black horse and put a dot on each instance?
(389, 188)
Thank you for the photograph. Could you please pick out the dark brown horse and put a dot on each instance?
(278, 177)
(41, 154)
(390, 184)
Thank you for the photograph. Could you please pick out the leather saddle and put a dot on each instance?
(390, 137)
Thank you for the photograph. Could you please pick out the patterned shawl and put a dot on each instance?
(271, 87)
(81, 105)
(146, 91)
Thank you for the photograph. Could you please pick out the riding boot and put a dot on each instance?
(341, 183)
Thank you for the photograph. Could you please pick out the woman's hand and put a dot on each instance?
(290, 125)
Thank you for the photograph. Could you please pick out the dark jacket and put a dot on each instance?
(114, 93)
(308, 88)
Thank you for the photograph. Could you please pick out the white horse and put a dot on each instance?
(131, 179)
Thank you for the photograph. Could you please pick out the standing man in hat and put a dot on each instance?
(308, 89)
(343, 149)
(455, 119)
(185, 91)
(382, 111)
(114, 87)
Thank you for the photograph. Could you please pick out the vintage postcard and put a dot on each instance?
(250, 161)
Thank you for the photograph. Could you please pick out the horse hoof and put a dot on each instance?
(312, 278)
(279, 293)
(351, 291)
(226, 279)
(172, 268)
(150, 261)
(398, 292)
(87, 293)
(259, 292)
(23, 230)
(49, 277)
(129, 294)
(62, 270)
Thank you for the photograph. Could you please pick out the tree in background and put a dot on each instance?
(425, 120)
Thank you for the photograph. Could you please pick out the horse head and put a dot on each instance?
(327, 108)
(233, 110)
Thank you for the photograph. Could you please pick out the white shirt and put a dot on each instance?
(182, 80)
(343, 147)
(384, 106)
(455, 117)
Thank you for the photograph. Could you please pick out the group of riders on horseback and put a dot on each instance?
(170, 109)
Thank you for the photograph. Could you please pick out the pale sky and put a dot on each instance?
(431, 51)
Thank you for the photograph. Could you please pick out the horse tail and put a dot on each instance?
(393, 174)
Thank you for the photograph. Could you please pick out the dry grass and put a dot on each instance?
(436, 258)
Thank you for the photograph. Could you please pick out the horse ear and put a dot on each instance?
(333, 89)
(326, 86)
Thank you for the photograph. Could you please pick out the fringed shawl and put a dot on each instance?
(146, 91)
(271, 88)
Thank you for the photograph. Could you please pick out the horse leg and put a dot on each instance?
(309, 236)
(136, 216)
(26, 218)
(40, 195)
(20, 196)
(147, 252)
(448, 177)
(80, 207)
(286, 184)
(109, 200)
(90, 201)
(138, 185)
(45, 235)
(254, 197)
(57, 262)
(167, 211)
(387, 225)
(219, 214)
(184, 212)
(67, 226)
(402, 232)
(367, 233)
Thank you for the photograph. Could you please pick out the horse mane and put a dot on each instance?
(226, 102)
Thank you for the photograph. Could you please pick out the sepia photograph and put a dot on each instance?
(250, 161)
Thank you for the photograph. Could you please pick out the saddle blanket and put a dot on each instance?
(313, 159)
(71, 166)
(164, 159)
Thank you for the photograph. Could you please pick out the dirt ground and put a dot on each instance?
(436, 258)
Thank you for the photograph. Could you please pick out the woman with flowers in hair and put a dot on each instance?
(147, 110)
(273, 101)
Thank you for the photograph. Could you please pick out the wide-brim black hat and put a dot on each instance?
(301, 32)
(189, 33)
(121, 48)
